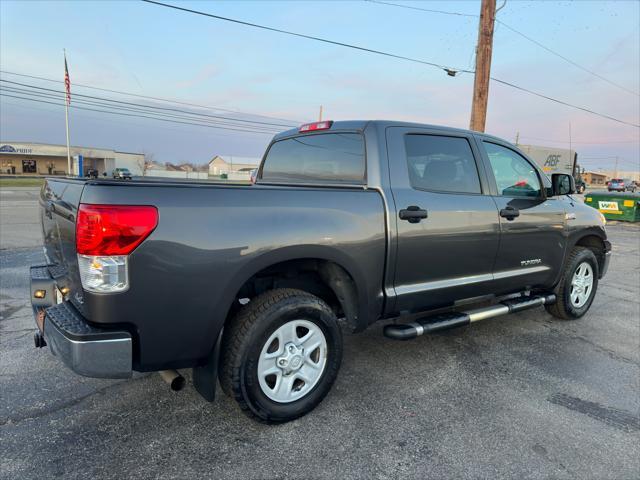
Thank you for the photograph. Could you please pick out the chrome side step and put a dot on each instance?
(445, 321)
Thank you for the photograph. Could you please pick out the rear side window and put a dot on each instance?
(515, 176)
(443, 164)
(320, 158)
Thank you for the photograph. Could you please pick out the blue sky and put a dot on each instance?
(149, 50)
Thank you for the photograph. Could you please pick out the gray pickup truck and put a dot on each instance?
(349, 222)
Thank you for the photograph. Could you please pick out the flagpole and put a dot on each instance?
(66, 119)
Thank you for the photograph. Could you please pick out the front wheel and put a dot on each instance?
(577, 286)
(281, 355)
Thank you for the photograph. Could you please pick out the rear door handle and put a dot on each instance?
(509, 212)
(413, 214)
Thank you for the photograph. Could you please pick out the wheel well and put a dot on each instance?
(322, 278)
(596, 245)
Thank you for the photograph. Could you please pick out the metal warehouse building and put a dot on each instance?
(21, 158)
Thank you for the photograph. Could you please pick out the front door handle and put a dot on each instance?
(413, 214)
(509, 212)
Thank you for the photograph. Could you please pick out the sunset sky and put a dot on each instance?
(154, 51)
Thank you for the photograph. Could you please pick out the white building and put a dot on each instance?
(232, 164)
(28, 158)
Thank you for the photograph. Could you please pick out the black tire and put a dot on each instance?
(246, 335)
(564, 308)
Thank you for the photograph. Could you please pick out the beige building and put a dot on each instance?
(27, 158)
(595, 179)
(633, 175)
(231, 164)
(601, 177)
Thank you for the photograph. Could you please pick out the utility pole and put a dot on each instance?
(483, 65)
(320, 116)
(572, 157)
(517, 138)
(616, 172)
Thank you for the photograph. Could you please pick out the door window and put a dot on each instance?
(515, 176)
(444, 164)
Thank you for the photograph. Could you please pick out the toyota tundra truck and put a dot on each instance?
(349, 222)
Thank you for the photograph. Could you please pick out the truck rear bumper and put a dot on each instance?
(85, 349)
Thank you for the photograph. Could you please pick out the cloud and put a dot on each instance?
(205, 73)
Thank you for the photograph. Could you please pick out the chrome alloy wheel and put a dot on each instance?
(292, 361)
(581, 285)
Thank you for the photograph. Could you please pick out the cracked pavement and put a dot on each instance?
(520, 396)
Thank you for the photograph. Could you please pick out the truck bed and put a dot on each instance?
(210, 238)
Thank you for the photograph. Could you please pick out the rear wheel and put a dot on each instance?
(281, 355)
(577, 287)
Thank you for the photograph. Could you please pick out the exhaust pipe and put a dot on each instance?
(173, 378)
(38, 339)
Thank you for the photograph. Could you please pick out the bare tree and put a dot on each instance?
(145, 162)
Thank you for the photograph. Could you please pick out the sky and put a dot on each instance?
(144, 49)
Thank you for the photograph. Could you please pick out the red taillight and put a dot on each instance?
(310, 127)
(113, 229)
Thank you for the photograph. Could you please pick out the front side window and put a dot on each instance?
(443, 164)
(319, 158)
(515, 176)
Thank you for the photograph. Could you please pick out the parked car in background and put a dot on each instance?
(621, 185)
(247, 283)
(122, 174)
(93, 173)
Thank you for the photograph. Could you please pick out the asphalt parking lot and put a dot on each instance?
(521, 396)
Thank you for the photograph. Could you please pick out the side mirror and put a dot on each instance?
(563, 184)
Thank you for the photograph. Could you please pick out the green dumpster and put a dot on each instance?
(615, 206)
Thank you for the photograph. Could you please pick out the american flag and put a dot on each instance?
(67, 81)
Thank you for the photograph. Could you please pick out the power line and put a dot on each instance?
(176, 102)
(151, 106)
(568, 60)
(136, 115)
(50, 96)
(518, 32)
(131, 109)
(591, 142)
(450, 71)
(430, 10)
(562, 102)
(60, 96)
(104, 118)
(302, 35)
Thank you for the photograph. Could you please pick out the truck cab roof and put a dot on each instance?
(361, 125)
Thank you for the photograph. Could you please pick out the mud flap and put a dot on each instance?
(205, 376)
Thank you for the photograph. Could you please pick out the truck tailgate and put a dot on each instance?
(59, 201)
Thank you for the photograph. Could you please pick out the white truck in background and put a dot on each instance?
(556, 160)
